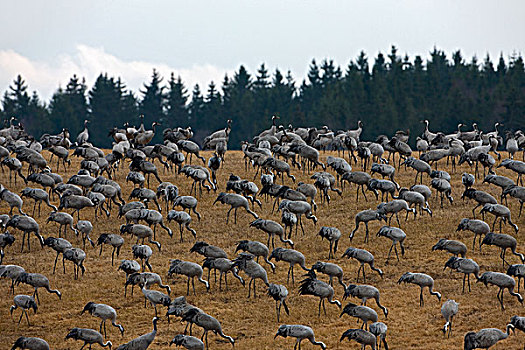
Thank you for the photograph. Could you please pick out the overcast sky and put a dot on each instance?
(49, 41)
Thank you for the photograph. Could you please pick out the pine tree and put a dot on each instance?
(68, 108)
(16, 101)
(196, 108)
(153, 101)
(176, 103)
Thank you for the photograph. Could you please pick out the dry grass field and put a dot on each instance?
(252, 322)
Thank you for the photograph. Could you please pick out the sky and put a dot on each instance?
(49, 41)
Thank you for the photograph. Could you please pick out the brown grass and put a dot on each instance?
(252, 322)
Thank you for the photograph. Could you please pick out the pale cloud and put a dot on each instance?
(89, 62)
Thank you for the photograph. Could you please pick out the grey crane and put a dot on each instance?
(465, 266)
(299, 332)
(517, 270)
(518, 323)
(272, 228)
(145, 195)
(141, 232)
(440, 174)
(36, 281)
(12, 272)
(499, 211)
(449, 309)
(365, 292)
(422, 280)
(485, 338)
(30, 343)
(279, 293)
(360, 178)
(379, 329)
(12, 199)
(235, 201)
(136, 178)
(188, 342)
(75, 202)
(39, 196)
(129, 267)
(395, 234)
(14, 165)
(364, 257)
(145, 167)
(84, 181)
(309, 190)
(88, 336)
(24, 302)
(420, 166)
(289, 219)
(43, 179)
(385, 186)
(478, 227)
(517, 192)
(179, 307)
(246, 263)
(187, 202)
(394, 207)
(285, 192)
(332, 234)
(279, 167)
(504, 242)
(423, 189)
(104, 312)
(184, 221)
(516, 166)
(155, 297)
(150, 216)
(77, 256)
(130, 206)
(364, 313)
(444, 189)
(292, 257)
(312, 286)
(365, 338)
(365, 216)
(142, 342)
(208, 323)
(332, 270)
(83, 136)
(207, 250)
(224, 266)
(190, 148)
(385, 170)
(62, 153)
(167, 192)
(113, 239)
(151, 278)
(64, 220)
(502, 281)
(214, 163)
(142, 252)
(258, 249)
(481, 197)
(6, 239)
(85, 227)
(414, 198)
(452, 246)
(468, 180)
(501, 181)
(189, 269)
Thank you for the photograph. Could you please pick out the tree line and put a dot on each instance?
(391, 93)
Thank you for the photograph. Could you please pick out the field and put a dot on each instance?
(252, 322)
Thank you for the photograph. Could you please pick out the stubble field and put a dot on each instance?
(252, 322)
